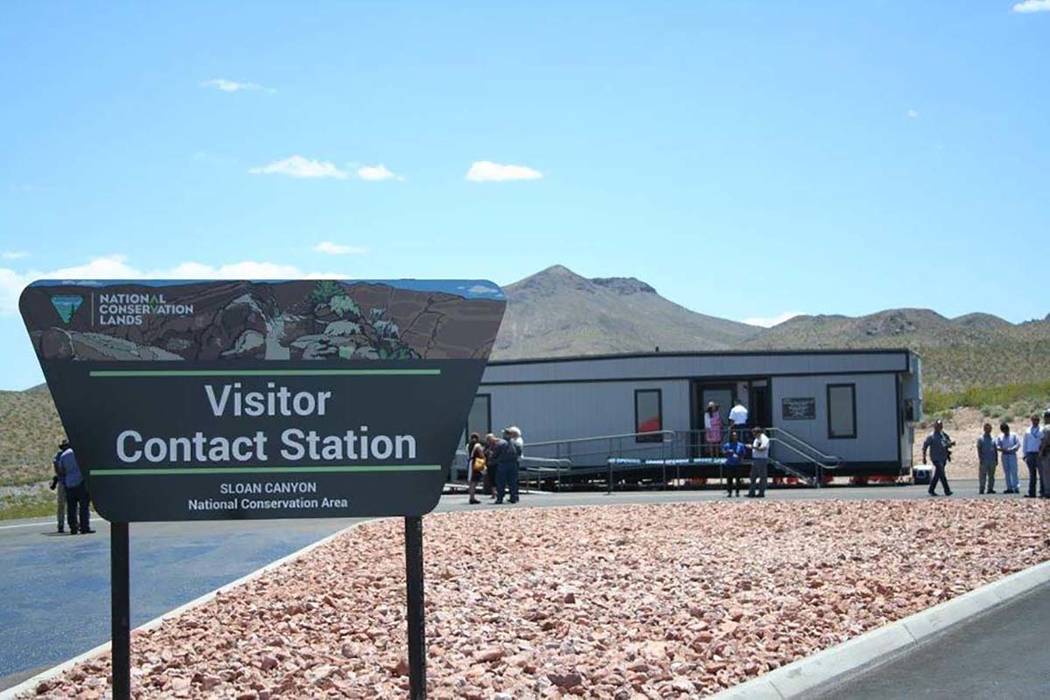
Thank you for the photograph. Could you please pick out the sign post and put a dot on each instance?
(190, 400)
(417, 652)
(120, 606)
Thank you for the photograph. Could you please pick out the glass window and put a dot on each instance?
(648, 414)
(479, 420)
(842, 411)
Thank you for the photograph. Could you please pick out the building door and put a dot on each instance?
(721, 394)
(760, 404)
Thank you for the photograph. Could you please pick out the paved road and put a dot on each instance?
(1003, 654)
(49, 615)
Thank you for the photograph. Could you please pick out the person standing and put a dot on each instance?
(505, 457)
(491, 468)
(77, 501)
(987, 459)
(713, 420)
(1033, 440)
(475, 466)
(738, 415)
(1044, 455)
(759, 464)
(1008, 445)
(58, 485)
(939, 445)
(734, 452)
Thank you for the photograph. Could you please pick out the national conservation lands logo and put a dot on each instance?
(66, 305)
(130, 309)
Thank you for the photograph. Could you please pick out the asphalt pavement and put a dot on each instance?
(55, 588)
(1004, 653)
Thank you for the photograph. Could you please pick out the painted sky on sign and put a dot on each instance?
(749, 159)
(468, 289)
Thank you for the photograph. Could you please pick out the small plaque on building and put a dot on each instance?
(799, 408)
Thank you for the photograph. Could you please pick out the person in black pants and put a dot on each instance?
(77, 500)
(734, 452)
(939, 446)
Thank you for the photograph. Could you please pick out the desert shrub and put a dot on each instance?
(325, 290)
(991, 396)
(345, 306)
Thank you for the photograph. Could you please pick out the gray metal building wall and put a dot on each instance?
(876, 416)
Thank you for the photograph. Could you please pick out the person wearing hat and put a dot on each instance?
(506, 453)
(77, 501)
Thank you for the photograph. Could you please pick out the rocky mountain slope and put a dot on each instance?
(558, 312)
(971, 350)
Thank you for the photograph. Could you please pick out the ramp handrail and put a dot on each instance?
(664, 433)
(833, 461)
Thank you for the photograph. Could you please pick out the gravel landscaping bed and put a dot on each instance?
(617, 602)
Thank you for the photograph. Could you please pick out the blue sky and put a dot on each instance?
(748, 159)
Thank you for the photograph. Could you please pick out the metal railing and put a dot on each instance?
(615, 458)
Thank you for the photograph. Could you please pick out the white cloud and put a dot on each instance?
(376, 173)
(1026, 6)
(224, 85)
(330, 248)
(13, 282)
(912, 114)
(298, 166)
(487, 171)
(770, 321)
(480, 289)
(14, 254)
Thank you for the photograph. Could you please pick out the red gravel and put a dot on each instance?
(609, 602)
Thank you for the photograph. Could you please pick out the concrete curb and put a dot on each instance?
(822, 668)
(29, 685)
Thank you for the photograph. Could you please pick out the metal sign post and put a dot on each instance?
(240, 399)
(417, 651)
(120, 605)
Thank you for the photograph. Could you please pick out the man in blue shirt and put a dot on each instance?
(939, 447)
(77, 501)
(734, 451)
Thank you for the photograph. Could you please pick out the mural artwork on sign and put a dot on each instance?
(190, 400)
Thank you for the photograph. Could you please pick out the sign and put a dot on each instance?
(800, 408)
(190, 400)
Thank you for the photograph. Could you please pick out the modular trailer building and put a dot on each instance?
(850, 409)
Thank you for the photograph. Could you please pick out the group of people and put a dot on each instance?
(714, 426)
(1034, 447)
(735, 451)
(74, 502)
(495, 462)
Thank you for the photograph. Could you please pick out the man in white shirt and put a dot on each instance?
(1033, 438)
(738, 416)
(759, 464)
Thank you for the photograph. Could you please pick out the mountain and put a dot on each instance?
(29, 435)
(971, 350)
(558, 312)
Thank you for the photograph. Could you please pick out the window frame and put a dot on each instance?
(852, 386)
(659, 414)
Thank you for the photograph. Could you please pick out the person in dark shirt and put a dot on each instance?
(78, 503)
(58, 485)
(734, 452)
(939, 446)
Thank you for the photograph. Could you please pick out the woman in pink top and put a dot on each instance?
(714, 428)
